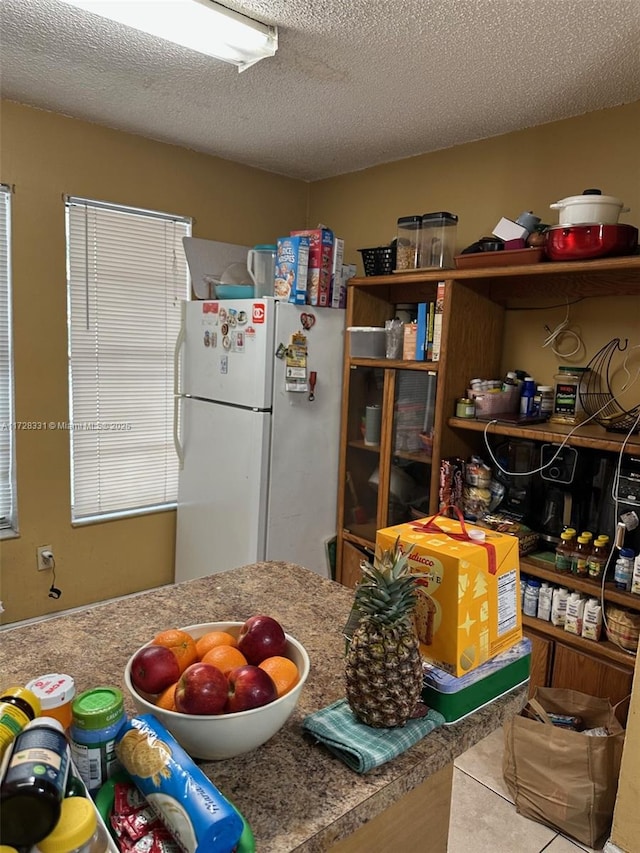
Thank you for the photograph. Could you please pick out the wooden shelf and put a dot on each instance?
(603, 649)
(599, 278)
(587, 435)
(395, 364)
(590, 586)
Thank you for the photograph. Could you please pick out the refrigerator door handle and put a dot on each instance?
(176, 386)
(176, 431)
(176, 352)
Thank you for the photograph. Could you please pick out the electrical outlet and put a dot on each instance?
(44, 556)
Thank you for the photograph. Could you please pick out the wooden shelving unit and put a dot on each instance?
(475, 348)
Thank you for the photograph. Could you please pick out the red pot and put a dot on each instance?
(580, 242)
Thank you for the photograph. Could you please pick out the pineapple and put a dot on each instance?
(383, 664)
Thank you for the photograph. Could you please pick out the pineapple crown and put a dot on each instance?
(386, 592)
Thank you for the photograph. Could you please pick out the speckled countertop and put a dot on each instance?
(294, 793)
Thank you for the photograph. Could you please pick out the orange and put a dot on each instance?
(284, 673)
(167, 699)
(212, 639)
(225, 658)
(181, 644)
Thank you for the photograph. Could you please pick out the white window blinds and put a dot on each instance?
(126, 277)
(8, 512)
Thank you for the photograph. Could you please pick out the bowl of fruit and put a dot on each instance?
(220, 688)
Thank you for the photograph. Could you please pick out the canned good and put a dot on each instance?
(465, 408)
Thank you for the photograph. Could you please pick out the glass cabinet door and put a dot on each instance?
(364, 425)
(411, 442)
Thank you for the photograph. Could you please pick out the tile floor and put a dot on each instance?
(483, 817)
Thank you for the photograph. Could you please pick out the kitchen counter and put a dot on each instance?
(293, 792)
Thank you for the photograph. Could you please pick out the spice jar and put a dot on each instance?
(408, 243)
(567, 408)
(465, 408)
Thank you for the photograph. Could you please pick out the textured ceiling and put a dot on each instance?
(354, 83)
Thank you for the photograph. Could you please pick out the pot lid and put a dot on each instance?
(589, 197)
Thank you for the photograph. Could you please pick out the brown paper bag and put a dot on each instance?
(565, 779)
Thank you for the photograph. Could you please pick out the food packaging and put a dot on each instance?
(292, 264)
(468, 604)
(320, 266)
(456, 698)
(200, 818)
(590, 207)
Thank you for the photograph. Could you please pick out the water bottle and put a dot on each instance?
(624, 569)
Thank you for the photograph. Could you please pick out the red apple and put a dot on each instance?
(202, 689)
(261, 637)
(154, 668)
(249, 687)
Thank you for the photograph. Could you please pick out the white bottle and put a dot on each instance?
(531, 593)
(544, 602)
(635, 580)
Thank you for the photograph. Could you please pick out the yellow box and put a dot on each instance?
(468, 605)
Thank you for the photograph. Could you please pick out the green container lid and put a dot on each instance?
(97, 708)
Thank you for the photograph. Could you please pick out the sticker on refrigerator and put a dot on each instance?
(238, 342)
(224, 364)
(296, 364)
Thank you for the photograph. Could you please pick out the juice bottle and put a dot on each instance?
(564, 550)
(580, 555)
(597, 559)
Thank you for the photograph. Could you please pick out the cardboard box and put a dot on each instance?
(292, 262)
(468, 607)
(320, 265)
(337, 287)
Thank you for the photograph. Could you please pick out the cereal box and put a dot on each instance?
(320, 265)
(292, 262)
(468, 602)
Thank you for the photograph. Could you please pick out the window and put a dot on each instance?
(126, 277)
(8, 512)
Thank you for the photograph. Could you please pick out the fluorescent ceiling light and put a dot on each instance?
(201, 25)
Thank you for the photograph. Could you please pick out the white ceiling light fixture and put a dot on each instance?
(201, 25)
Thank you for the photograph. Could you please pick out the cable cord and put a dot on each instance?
(562, 331)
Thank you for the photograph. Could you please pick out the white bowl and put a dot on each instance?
(219, 736)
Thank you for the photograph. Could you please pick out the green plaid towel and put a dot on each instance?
(363, 747)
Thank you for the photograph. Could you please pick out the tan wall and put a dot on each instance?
(46, 156)
(483, 181)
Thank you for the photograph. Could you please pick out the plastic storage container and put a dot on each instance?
(261, 266)
(408, 243)
(367, 341)
(438, 240)
(567, 408)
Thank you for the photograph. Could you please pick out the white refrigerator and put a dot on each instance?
(257, 432)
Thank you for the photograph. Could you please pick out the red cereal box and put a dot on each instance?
(320, 265)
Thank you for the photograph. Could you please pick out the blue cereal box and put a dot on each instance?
(292, 264)
(320, 265)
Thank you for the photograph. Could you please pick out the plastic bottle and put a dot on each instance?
(564, 552)
(624, 569)
(34, 782)
(55, 692)
(18, 707)
(77, 830)
(580, 556)
(510, 380)
(531, 595)
(527, 395)
(544, 602)
(597, 559)
(543, 400)
(98, 716)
